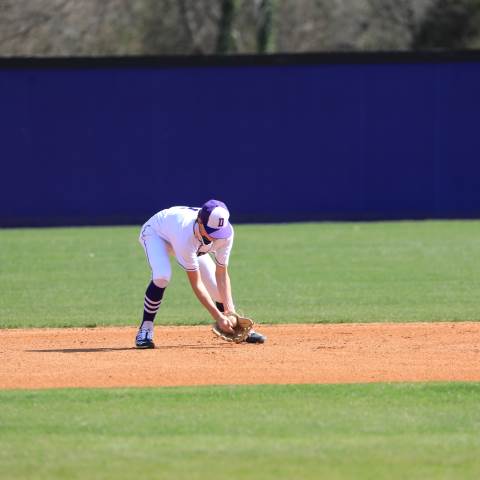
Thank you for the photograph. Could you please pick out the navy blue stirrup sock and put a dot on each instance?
(153, 299)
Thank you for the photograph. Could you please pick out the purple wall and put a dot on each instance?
(93, 143)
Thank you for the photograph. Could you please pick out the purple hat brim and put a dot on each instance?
(223, 232)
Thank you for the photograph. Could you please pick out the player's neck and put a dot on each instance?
(196, 231)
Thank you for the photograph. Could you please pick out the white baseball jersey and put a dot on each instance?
(176, 226)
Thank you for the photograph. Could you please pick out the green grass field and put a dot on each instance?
(291, 432)
(296, 273)
(290, 273)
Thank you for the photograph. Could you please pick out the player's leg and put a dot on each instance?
(207, 273)
(157, 256)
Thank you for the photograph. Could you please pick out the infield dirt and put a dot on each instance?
(339, 353)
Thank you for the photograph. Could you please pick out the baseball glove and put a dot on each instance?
(241, 330)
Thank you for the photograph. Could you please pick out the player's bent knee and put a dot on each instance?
(161, 282)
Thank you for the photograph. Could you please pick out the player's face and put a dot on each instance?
(205, 236)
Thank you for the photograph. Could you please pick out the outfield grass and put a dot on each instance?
(286, 273)
(285, 432)
(317, 272)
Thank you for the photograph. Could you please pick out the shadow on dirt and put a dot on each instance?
(120, 349)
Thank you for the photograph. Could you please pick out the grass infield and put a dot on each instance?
(389, 431)
(283, 273)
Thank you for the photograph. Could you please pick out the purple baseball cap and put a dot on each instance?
(214, 216)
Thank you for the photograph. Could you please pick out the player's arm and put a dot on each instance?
(201, 293)
(224, 287)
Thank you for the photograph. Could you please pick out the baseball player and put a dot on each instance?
(201, 240)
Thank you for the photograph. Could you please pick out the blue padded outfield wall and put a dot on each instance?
(314, 140)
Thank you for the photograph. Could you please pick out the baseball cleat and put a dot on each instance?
(144, 339)
(254, 337)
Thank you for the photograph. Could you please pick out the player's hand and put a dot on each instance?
(225, 323)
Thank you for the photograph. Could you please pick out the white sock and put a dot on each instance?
(147, 325)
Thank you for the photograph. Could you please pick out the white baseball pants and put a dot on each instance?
(158, 251)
